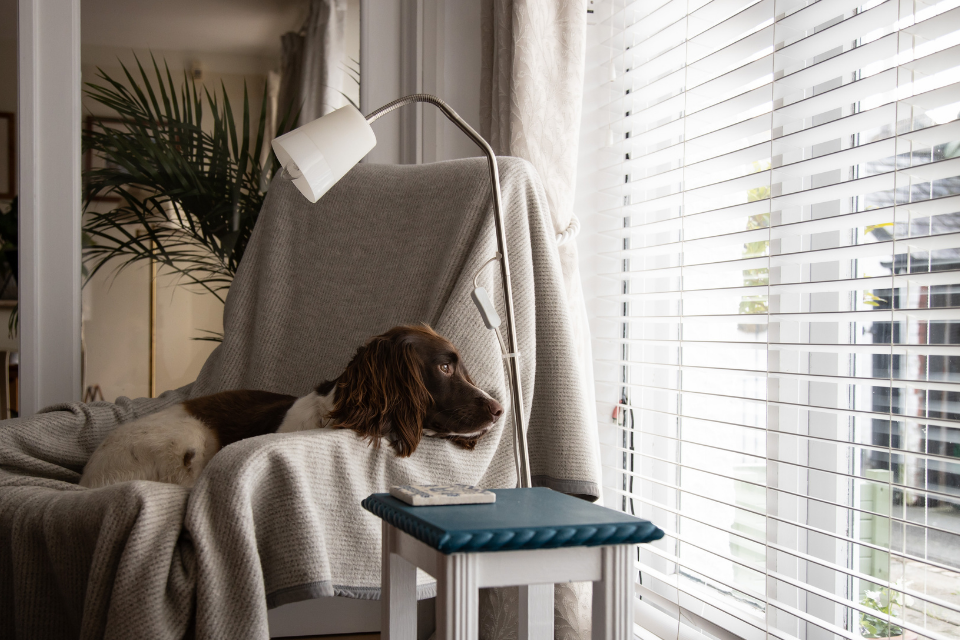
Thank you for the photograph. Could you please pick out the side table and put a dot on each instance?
(529, 537)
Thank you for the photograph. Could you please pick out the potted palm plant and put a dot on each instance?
(187, 191)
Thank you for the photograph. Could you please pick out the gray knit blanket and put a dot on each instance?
(277, 519)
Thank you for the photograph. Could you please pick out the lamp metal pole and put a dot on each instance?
(521, 452)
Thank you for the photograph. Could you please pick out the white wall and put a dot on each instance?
(409, 46)
(231, 71)
(380, 81)
(116, 332)
(455, 58)
(116, 307)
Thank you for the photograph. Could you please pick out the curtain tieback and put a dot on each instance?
(570, 232)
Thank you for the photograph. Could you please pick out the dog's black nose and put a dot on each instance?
(495, 409)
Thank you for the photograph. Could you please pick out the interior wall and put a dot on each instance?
(232, 71)
(116, 332)
(8, 103)
(352, 45)
(452, 65)
(117, 304)
(380, 53)
(409, 46)
(8, 74)
(116, 309)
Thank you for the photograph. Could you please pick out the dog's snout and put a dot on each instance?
(496, 410)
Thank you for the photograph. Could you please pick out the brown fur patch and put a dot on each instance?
(235, 415)
(382, 389)
(466, 443)
(394, 385)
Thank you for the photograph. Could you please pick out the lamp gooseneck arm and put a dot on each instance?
(513, 367)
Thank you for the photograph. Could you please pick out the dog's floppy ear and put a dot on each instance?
(381, 393)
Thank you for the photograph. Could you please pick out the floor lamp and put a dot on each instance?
(316, 155)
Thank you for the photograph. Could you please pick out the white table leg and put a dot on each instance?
(458, 599)
(536, 612)
(398, 595)
(613, 595)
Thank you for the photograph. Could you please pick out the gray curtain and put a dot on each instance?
(311, 72)
(531, 94)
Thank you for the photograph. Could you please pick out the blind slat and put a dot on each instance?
(794, 494)
(775, 300)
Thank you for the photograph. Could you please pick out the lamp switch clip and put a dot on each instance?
(485, 306)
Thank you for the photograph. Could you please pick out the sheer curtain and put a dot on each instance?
(775, 186)
(311, 73)
(310, 80)
(530, 107)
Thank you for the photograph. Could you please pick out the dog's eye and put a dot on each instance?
(446, 368)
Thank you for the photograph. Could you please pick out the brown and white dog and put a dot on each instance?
(405, 384)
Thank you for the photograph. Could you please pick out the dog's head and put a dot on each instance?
(407, 383)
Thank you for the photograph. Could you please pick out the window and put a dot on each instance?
(774, 190)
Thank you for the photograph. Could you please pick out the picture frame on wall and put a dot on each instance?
(92, 161)
(8, 155)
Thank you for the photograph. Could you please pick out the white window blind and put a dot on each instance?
(775, 189)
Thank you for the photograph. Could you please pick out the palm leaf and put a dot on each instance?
(188, 197)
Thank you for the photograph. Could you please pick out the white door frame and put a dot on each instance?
(49, 119)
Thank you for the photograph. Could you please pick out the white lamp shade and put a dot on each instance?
(319, 153)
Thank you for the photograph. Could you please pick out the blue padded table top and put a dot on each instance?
(537, 518)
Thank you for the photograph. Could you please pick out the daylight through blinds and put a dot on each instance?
(777, 352)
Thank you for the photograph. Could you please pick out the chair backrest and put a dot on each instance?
(384, 247)
(400, 244)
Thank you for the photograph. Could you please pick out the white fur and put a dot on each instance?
(309, 412)
(430, 433)
(155, 447)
